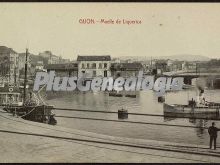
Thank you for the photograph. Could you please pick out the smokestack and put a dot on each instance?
(200, 84)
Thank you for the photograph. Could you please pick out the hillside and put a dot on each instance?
(173, 57)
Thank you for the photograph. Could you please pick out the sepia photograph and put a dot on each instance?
(109, 82)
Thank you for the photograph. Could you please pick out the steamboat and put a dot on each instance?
(199, 108)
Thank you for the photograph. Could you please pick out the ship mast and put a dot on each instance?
(25, 75)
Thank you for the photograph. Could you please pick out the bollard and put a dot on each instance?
(122, 114)
(161, 99)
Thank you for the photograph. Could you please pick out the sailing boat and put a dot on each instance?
(33, 108)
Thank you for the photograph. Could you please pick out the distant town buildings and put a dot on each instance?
(39, 66)
(63, 70)
(158, 66)
(46, 54)
(64, 61)
(94, 66)
(125, 69)
(116, 60)
(161, 65)
(12, 65)
(53, 59)
(9, 63)
(189, 66)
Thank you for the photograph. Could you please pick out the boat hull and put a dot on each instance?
(187, 111)
(41, 113)
(132, 96)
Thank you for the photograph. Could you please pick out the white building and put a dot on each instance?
(189, 66)
(39, 65)
(94, 66)
(9, 63)
(52, 59)
(169, 62)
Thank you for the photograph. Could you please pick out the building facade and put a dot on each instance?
(189, 66)
(9, 62)
(63, 70)
(126, 70)
(94, 66)
(51, 58)
(39, 66)
(176, 66)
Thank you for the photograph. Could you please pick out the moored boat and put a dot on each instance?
(115, 94)
(32, 108)
(131, 94)
(195, 108)
(187, 109)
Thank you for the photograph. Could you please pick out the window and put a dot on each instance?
(5, 58)
(83, 66)
(105, 65)
(87, 65)
(94, 73)
(94, 65)
(105, 73)
(100, 65)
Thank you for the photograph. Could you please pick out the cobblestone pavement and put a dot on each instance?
(26, 141)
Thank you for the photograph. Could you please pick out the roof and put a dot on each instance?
(5, 50)
(161, 61)
(94, 58)
(127, 66)
(61, 66)
(39, 64)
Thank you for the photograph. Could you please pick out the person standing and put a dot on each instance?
(213, 132)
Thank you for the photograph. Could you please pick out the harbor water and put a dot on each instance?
(146, 102)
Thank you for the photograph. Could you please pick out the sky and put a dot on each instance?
(166, 29)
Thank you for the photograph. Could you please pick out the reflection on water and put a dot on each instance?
(146, 102)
